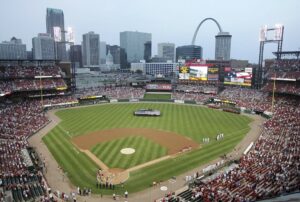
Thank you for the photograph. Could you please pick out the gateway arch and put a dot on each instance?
(223, 41)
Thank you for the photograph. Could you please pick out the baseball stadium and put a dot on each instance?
(194, 131)
(163, 138)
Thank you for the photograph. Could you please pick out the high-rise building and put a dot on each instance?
(134, 44)
(147, 51)
(91, 50)
(166, 51)
(223, 45)
(43, 47)
(55, 18)
(76, 55)
(13, 49)
(189, 52)
(102, 52)
(123, 59)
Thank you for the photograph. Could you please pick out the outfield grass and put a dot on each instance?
(145, 150)
(157, 96)
(192, 121)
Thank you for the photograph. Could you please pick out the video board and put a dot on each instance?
(198, 73)
(238, 76)
(213, 73)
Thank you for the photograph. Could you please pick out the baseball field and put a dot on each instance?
(94, 137)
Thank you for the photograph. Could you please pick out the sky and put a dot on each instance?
(171, 21)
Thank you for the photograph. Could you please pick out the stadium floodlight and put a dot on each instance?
(278, 31)
(263, 33)
(70, 35)
(57, 34)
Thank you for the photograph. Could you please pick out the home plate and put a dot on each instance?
(127, 151)
(163, 188)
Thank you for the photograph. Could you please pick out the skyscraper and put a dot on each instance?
(147, 51)
(166, 51)
(91, 50)
(223, 45)
(43, 47)
(76, 55)
(13, 49)
(134, 44)
(55, 18)
(189, 52)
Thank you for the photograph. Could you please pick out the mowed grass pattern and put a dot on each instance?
(188, 120)
(157, 96)
(145, 150)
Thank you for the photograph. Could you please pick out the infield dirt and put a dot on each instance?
(173, 142)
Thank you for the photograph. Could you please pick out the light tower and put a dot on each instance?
(264, 39)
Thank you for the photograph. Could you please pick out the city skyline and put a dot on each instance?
(168, 21)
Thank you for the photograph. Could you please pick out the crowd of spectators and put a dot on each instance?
(31, 85)
(206, 89)
(197, 97)
(6, 87)
(282, 87)
(14, 72)
(113, 92)
(19, 121)
(191, 92)
(22, 78)
(287, 65)
(283, 75)
(249, 98)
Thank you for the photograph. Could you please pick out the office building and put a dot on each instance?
(223, 46)
(91, 50)
(43, 47)
(134, 44)
(76, 55)
(165, 69)
(55, 18)
(13, 49)
(147, 51)
(166, 51)
(189, 52)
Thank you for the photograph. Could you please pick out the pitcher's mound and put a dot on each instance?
(127, 151)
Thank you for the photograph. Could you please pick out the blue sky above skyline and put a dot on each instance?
(169, 21)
